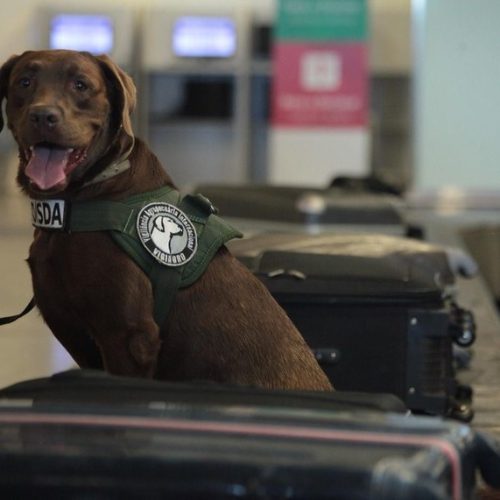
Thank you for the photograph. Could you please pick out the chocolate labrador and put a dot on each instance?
(70, 115)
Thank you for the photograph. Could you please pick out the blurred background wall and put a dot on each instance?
(235, 147)
(434, 95)
(457, 93)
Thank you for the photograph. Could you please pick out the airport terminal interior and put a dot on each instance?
(356, 146)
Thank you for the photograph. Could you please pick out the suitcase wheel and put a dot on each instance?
(462, 326)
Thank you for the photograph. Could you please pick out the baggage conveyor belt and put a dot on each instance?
(30, 351)
(484, 372)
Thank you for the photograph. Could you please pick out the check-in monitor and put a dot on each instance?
(93, 33)
(196, 39)
(204, 37)
(99, 30)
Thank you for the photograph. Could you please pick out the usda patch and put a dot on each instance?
(48, 214)
(167, 234)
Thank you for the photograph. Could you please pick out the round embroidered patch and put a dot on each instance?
(167, 234)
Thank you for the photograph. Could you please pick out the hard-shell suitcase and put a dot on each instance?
(94, 386)
(235, 448)
(379, 312)
(307, 209)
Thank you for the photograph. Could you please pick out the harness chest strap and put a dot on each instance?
(202, 232)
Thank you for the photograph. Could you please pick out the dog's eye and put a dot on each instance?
(25, 82)
(80, 85)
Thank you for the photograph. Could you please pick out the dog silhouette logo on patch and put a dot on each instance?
(167, 234)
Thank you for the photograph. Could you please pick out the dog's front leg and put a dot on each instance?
(122, 322)
(119, 303)
(131, 350)
(85, 278)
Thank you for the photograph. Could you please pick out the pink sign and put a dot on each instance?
(320, 84)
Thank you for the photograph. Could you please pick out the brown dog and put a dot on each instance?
(70, 115)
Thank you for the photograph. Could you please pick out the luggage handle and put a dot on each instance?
(462, 326)
(287, 273)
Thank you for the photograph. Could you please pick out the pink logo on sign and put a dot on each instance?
(320, 71)
(322, 85)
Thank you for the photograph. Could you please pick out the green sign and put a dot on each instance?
(322, 20)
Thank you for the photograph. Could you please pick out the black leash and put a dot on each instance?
(26, 310)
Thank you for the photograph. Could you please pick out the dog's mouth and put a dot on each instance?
(49, 165)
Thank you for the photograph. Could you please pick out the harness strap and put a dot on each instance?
(101, 216)
(120, 219)
(165, 283)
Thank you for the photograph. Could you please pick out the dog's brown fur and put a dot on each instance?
(98, 303)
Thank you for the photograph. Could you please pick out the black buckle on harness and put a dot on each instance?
(203, 203)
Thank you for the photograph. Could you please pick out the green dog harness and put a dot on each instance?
(172, 239)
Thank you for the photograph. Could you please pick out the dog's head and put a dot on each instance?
(167, 225)
(69, 113)
(163, 231)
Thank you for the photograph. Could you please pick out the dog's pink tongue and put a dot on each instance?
(46, 167)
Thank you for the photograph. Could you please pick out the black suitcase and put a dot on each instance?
(308, 209)
(147, 441)
(379, 312)
(90, 387)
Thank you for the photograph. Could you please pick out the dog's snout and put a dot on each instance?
(45, 116)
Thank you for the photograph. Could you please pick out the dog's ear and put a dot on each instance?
(160, 223)
(5, 71)
(124, 88)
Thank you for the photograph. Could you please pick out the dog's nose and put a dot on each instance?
(45, 116)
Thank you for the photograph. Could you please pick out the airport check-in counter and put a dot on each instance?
(196, 103)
